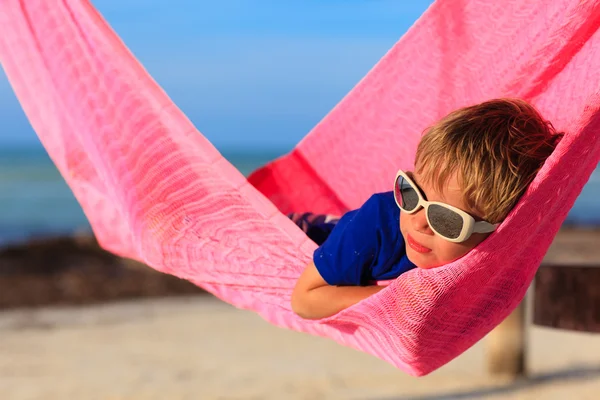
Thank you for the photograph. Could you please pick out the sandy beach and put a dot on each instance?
(200, 348)
(197, 347)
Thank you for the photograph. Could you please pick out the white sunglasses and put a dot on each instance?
(451, 223)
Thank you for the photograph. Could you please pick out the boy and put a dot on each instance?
(471, 168)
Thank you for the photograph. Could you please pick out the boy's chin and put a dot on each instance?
(422, 261)
(426, 266)
(426, 261)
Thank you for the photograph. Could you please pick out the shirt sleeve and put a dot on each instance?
(348, 253)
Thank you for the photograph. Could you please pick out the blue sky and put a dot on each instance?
(250, 74)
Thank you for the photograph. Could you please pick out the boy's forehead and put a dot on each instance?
(442, 188)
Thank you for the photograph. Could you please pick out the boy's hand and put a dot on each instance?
(313, 298)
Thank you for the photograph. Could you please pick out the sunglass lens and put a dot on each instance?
(445, 221)
(406, 194)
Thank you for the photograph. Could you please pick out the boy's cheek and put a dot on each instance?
(403, 223)
(448, 251)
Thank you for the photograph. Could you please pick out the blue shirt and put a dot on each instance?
(366, 245)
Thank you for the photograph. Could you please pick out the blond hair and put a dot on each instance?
(496, 148)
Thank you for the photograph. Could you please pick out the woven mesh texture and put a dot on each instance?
(154, 189)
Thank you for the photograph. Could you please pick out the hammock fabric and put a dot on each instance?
(156, 190)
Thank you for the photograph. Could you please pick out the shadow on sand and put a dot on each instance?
(569, 375)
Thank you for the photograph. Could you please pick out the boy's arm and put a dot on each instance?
(313, 298)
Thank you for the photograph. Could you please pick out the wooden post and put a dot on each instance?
(564, 297)
(506, 345)
(568, 297)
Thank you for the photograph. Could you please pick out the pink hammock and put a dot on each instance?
(156, 190)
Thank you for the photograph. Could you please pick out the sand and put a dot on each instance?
(201, 348)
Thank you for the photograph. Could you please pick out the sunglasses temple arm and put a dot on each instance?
(484, 227)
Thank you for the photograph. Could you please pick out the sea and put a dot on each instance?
(36, 202)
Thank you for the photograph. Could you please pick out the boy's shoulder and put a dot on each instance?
(383, 200)
(381, 206)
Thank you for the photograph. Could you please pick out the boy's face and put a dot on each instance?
(424, 248)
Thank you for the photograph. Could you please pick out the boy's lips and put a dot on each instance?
(418, 247)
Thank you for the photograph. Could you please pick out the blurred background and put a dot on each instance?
(254, 77)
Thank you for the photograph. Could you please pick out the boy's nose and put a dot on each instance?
(419, 222)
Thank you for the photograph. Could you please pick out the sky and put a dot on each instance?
(250, 74)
